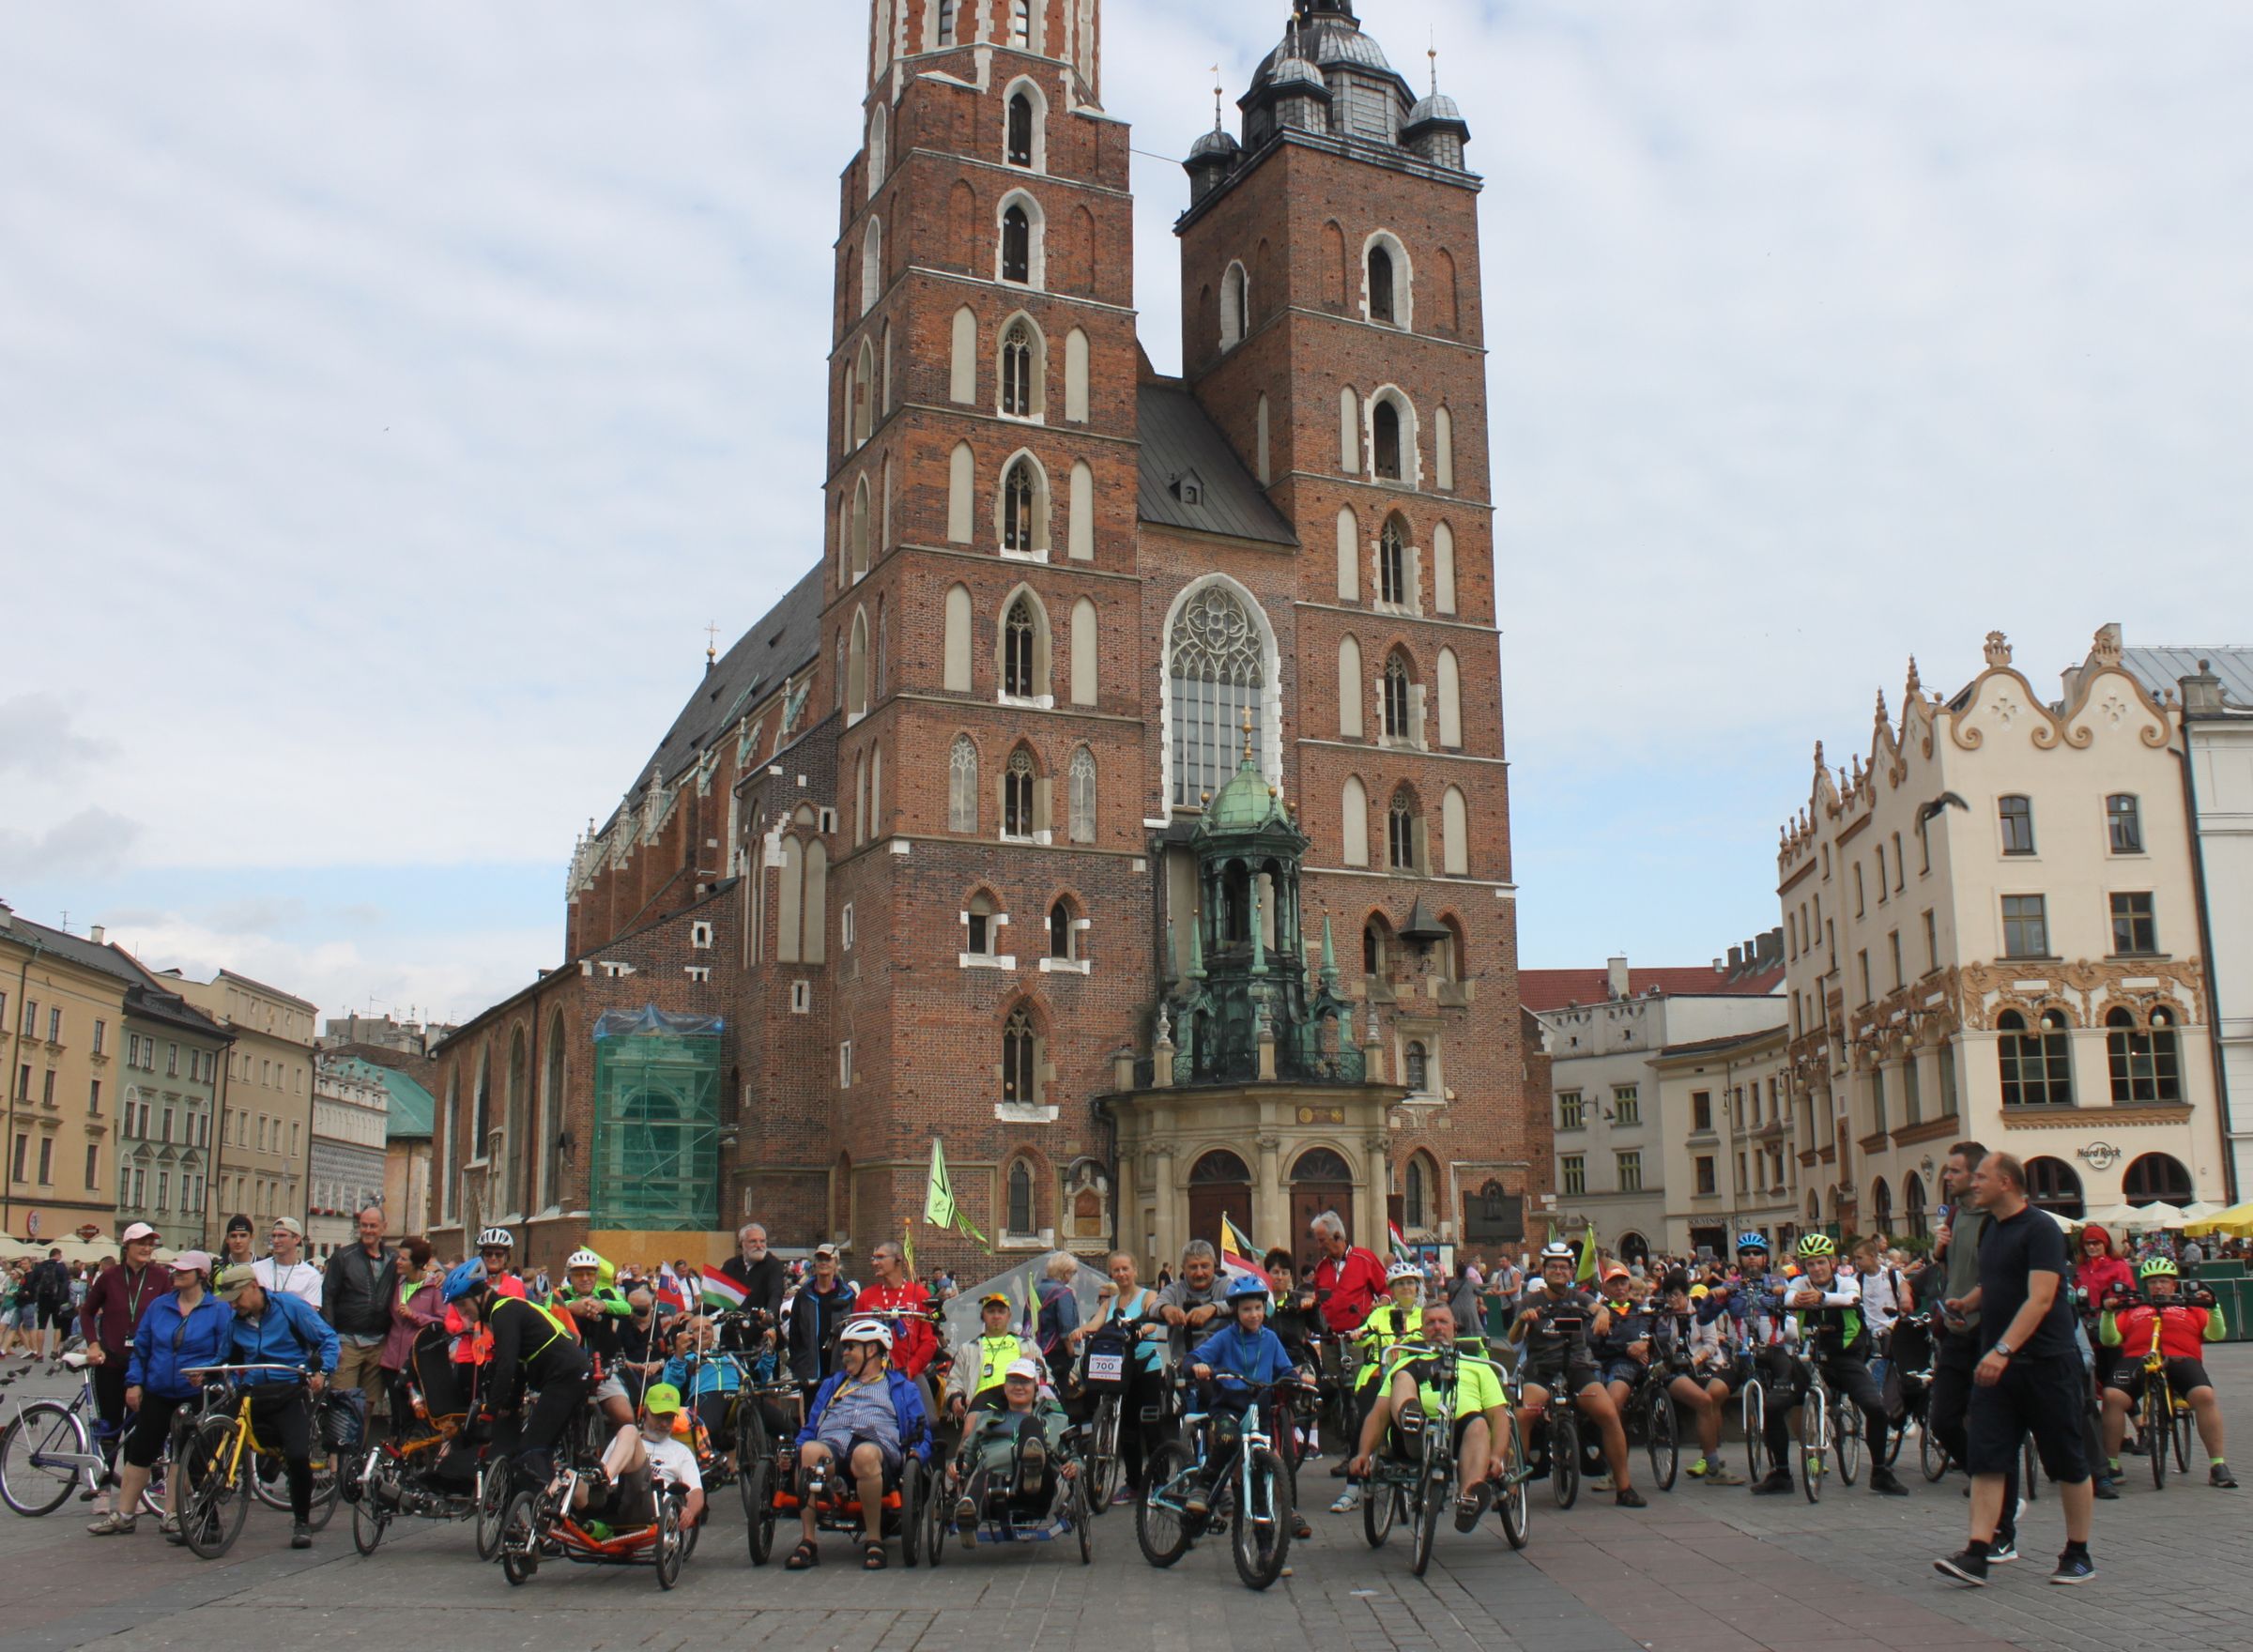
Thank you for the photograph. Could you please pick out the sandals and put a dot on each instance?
(803, 1558)
(872, 1555)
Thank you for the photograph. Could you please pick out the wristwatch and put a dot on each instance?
(2004, 1349)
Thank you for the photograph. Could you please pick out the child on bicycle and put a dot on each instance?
(1248, 1357)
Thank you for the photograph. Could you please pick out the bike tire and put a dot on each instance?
(269, 1480)
(937, 1514)
(152, 1494)
(1101, 1470)
(1664, 1441)
(2182, 1432)
(1754, 1402)
(520, 1547)
(370, 1514)
(213, 1505)
(1514, 1504)
(1161, 1533)
(759, 1509)
(1896, 1437)
(1813, 1445)
(1262, 1548)
(917, 1493)
(492, 1506)
(672, 1544)
(2155, 1429)
(1846, 1447)
(1564, 1457)
(328, 1488)
(43, 1427)
(1932, 1457)
(1423, 1514)
(1378, 1511)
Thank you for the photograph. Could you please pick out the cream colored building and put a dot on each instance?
(1731, 1143)
(1991, 931)
(62, 1020)
(260, 1167)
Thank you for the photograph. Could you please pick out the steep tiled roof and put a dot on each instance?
(1553, 990)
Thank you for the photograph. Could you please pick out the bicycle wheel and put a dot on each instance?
(1847, 1447)
(1755, 1402)
(918, 1490)
(492, 1506)
(1159, 1527)
(1895, 1436)
(1262, 1538)
(371, 1513)
(1932, 1457)
(152, 1494)
(1082, 1510)
(1663, 1441)
(759, 1509)
(2182, 1431)
(1423, 1515)
(520, 1538)
(326, 1488)
(1514, 1504)
(938, 1510)
(1814, 1444)
(1379, 1507)
(672, 1546)
(213, 1503)
(1564, 1456)
(30, 1481)
(1101, 1470)
(269, 1479)
(2158, 1402)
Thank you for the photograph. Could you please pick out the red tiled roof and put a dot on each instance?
(1553, 989)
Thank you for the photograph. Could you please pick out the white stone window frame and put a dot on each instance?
(1025, 84)
(996, 959)
(1403, 281)
(1037, 240)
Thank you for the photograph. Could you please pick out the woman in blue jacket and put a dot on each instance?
(181, 1332)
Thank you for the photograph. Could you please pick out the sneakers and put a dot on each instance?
(1628, 1497)
(300, 1535)
(1698, 1470)
(2073, 1567)
(112, 1526)
(1777, 1484)
(1884, 1482)
(1348, 1500)
(1200, 1503)
(1721, 1475)
(2220, 1476)
(2002, 1551)
(2106, 1491)
(1122, 1498)
(1969, 1565)
(965, 1520)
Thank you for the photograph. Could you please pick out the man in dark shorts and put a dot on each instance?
(1555, 1325)
(2029, 1376)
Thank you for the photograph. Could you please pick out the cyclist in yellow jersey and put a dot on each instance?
(1481, 1405)
(1388, 1324)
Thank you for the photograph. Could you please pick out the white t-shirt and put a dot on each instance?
(672, 1463)
(300, 1279)
(1880, 1306)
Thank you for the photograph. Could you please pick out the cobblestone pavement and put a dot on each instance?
(1701, 1570)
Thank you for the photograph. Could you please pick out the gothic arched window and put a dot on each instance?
(1020, 22)
(1412, 1185)
(1380, 285)
(1021, 130)
(946, 22)
(1017, 795)
(963, 786)
(1059, 930)
(1385, 430)
(1017, 246)
(1020, 1197)
(1392, 556)
(1216, 669)
(1397, 698)
(1017, 649)
(1400, 832)
(1016, 370)
(1415, 1072)
(1083, 796)
(1019, 1050)
(1018, 491)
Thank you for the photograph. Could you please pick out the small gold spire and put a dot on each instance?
(1219, 92)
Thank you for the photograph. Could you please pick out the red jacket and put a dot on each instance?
(2106, 1272)
(1356, 1284)
(113, 1306)
(2181, 1330)
(914, 1342)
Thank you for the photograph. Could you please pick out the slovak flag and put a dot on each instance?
(669, 1293)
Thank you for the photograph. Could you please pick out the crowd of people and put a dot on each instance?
(2007, 1334)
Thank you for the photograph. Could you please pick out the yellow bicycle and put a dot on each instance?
(224, 1466)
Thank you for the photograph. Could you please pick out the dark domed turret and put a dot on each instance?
(1210, 160)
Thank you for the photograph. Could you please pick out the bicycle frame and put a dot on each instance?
(88, 1465)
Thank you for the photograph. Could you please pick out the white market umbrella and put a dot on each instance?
(2198, 1210)
(2067, 1223)
(2160, 1215)
(2123, 1214)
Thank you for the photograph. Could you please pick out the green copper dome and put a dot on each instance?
(1245, 804)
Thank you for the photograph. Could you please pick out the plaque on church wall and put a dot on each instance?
(1321, 1115)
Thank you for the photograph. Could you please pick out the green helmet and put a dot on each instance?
(1817, 1245)
(2159, 1267)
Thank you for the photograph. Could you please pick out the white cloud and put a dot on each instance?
(94, 843)
(391, 395)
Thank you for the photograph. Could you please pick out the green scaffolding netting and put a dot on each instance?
(656, 1120)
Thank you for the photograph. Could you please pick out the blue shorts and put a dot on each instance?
(841, 1448)
(1623, 1371)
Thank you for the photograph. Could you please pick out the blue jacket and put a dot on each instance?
(907, 1405)
(717, 1373)
(1260, 1360)
(163, 1351)
(288, 1331)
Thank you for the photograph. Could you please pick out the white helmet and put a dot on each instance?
(581, 1258)
(496, 1239)
(868, 1331)
(1402, 1270)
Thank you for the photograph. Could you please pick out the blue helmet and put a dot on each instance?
(1751, 1242)
(463, 1279)
(1246, 1288)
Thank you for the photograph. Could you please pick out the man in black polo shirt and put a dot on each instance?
(2028, 1376)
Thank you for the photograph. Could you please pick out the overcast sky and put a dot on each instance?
(391, 395)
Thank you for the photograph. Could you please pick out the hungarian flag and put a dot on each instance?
(1400, 1240)
(1238, 1254)
(722, 1294)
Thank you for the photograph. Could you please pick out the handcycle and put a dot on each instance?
(439, 1466)
(836, 1499)
(2163, 1419)
(51, 1446)
(1006, 1517)
(1415, 1478)
(542, 1525)
(1253, 1505)
(221, 1466)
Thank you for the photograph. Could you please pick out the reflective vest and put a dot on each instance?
(1386, 1324)
(996, 1354)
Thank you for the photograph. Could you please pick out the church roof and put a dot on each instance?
(787, 639)
(1192, 476)
(413, 1108)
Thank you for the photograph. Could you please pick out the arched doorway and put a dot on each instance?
(1320, 1180)
(2054, 1186)
(1633, 1248)
(2157, 1178)
(1219, 1184)
(1913, 1206)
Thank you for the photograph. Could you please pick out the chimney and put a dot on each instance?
(7, 915)
(1616, 969)
(2202, 695)
(98, 933)
(1736, 959)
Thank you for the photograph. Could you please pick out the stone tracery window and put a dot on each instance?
(1017, 795)
(1016, 370)
(1217, 668)
(1019, 1082)
(1017, 649)
(962, 787)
